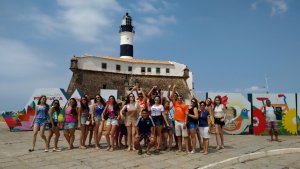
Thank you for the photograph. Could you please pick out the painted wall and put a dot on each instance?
(284, 103)
(238, 112)
(21, 120)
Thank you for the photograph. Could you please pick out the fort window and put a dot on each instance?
(118, 67)
(149, 69)
(167, 70)
(104, 86)
(143, 69)
(129, 68)
(104, 65)
(158, 70)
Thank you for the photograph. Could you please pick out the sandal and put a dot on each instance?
(148, 152)
(31, 150)
(46, 150)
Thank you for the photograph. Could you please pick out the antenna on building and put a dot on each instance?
(267, 84)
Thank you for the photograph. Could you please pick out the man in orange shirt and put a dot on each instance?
(180, 117)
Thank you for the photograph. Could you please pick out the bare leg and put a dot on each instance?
(205, 145)
(57, 134)
(91, 130)
(82, 137)
(50, 134)
(193, 139)
(43, 136)
(67, 136)
(112, 133)
(179, 141)
(100, 129)
(186, 140)
(35, 132)
(108, 127)
(129, 137)
(96, 136)
(170, 139)
(159, 135)
(72, 137)
(218, 136)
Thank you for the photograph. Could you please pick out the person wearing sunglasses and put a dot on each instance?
(54, 112)
(98, 109)
(82, 119)
(180, 116)
(192, 123)
(130, 113)
(158, 116)
(39, 121)
(204, 126)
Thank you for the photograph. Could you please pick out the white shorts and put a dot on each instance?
(204, 132)
(112, 122)
(179, 130)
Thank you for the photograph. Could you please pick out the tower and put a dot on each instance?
(126, 37)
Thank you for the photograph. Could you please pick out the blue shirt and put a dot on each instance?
(203, 118)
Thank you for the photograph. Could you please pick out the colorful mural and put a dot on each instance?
(21, 120)
(285, 107)
(238, 112)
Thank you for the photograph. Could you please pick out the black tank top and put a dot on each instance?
(190, 119)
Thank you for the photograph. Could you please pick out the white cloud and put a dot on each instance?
(252, 89)
(86, 21)
(277, 6)
(145, 6)
(22, 69)
(19, 60)
(153, 26)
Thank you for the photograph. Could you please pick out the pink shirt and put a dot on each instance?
(69, 117)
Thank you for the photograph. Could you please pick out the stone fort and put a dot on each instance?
(93, 73)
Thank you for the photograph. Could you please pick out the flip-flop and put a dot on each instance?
(30, 150)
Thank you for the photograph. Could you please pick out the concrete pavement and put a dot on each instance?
(14, 153)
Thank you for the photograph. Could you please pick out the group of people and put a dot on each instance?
(152, 119)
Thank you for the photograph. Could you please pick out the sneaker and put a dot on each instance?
(56, 150)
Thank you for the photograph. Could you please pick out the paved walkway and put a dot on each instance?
(14, 154)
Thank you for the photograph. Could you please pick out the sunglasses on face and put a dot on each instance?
(97, 97)
(130, 96)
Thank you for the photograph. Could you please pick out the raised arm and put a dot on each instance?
(169, 92)
(149, 93)
(173, 92)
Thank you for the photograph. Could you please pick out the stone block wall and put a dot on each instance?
(90, 82)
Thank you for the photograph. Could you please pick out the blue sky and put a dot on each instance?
(229, 45)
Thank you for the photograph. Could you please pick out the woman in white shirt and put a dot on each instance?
(158, 116)
(219, 118)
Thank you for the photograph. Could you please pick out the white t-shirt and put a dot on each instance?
(270, 114)
(156, 110)
(219, 111)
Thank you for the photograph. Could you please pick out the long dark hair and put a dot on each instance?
(218, 97)
(86, 105)
(74, 107)
(39, 102)
(115, 104)
(57, 109)
(101, 99)
(195, 103)
(128, 98)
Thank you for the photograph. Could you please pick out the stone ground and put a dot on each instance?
(14, 154)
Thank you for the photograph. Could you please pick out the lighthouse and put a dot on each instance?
(126, 37)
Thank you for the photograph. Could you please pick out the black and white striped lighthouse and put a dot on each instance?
(126, 37)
